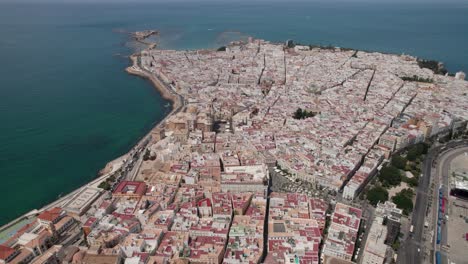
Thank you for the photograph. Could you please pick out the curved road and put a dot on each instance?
(411, 250)
(442, 174)
(139, 70)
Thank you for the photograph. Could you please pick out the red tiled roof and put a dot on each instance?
(90, 221)
(50, 215)
(138, 188)
(5, 252)
(204, 202)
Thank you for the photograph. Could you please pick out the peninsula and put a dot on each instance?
(262, 159)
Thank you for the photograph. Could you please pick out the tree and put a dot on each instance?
(413, 182)
(396, 245)
(399, 162)
(403, 200)
(403, 203)
(390, 176)
(416, 78)
(425, 148)
(303, 114)
(104, 185)
(146, 156)
(435, 66)
(377, 194)
(298, 114)
(417, 150)
(412, 155)
(111, 178)
(407, 192)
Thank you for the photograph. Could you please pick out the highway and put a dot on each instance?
(411, 247)
(412, 250)
(442, 173)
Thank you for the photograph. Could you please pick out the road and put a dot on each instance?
(411, 247)
(367, 220)
(412, 250)
(442, 173)
(132, 157)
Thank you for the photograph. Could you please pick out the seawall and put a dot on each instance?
(165, 91)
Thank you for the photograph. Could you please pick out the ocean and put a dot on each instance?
(67, 107)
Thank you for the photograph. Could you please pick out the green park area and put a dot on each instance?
(398, 178)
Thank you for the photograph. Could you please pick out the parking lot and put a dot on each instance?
(457, 229)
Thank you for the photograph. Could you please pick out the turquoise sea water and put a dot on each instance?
(67, 106)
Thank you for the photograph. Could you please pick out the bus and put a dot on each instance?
(438, 258)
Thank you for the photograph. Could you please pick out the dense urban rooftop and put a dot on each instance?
(200, 191)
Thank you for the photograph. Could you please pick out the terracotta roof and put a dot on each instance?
(39, 240)
(131, 187)
(100, 259)
(50, 215)
(5, 252)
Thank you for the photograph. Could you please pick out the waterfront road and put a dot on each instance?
(132, 157)
(412, 250)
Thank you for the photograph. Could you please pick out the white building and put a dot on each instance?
(375, 248)
(460, 75)
(350, 189)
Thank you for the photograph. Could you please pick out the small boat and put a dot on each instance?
(167, 105)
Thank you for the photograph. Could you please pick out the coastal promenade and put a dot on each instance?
(167, 92)
(115, 165)
(178, 102)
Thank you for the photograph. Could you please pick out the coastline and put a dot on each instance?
(166, 92)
